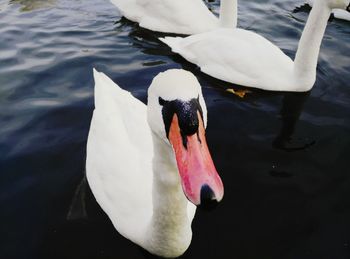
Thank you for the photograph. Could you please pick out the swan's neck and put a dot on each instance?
(170, 227)
(306, 58)
(228, 13)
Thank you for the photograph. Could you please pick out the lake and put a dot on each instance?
(283, 157)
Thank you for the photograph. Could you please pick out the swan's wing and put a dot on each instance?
(119, 155)
(338, 13)
(237, 56)
(341, 14)
(180, 16)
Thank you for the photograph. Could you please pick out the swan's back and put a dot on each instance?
(236, 55)
(180, 16)
(341, 14)
(119, 158)
(338, 13)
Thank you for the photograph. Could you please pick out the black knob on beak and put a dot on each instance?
(208, 199)
(348, 8)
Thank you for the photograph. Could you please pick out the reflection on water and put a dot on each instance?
(277, 204)
(29, 5)
(292, 107)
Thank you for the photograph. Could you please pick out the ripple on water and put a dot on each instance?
(278, 203)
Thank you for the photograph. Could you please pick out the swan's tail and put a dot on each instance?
(107, 92)
(172, 42)
(103, 81)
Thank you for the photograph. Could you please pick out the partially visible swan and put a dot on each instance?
(246, 58)
(177, 16)
(338, 13)
(148, 166)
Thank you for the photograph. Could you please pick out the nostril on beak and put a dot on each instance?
(348, 8)
(208, 199)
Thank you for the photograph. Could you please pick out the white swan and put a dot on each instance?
(338, 13)
(246, 58)
(177, 16)
(143, 161)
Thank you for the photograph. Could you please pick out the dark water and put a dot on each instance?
(283, 157)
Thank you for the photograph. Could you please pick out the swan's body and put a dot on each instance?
(246, 58)
(133, 173)
(180, 16)
(242, 59)
(338, 13)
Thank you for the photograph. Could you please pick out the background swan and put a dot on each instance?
(180, 16)
(338, 13)
(143, 161)
(246, 58)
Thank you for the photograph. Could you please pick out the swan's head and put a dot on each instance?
(338, 4)
(177, 114)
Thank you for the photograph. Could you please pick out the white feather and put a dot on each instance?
(120, 168)
(246, 58)
(177, 16)
(338, 13)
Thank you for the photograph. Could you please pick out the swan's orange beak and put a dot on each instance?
(200, 180)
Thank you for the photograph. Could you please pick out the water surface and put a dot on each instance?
(283, 157)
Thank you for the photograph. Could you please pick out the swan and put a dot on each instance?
(338, 13)
(246, 58)
(148, 166)
(177, 16)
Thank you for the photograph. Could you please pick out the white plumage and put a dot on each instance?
(180, 16)
(131, 166)
(246, 58)
(177, 16)
(338, 13)
(119, 131)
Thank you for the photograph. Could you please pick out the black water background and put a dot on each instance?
(278, 203)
